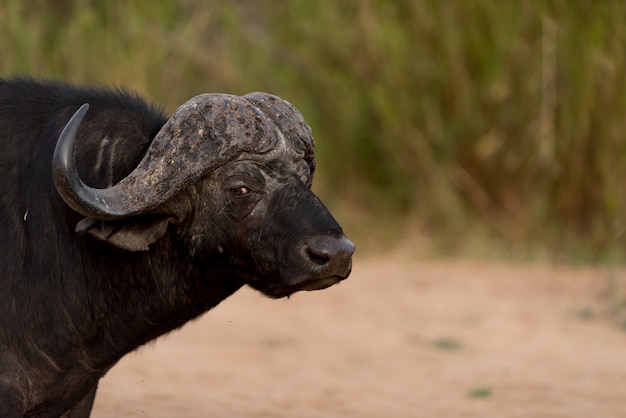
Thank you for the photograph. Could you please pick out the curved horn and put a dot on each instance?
(289, 121)
(204, 133)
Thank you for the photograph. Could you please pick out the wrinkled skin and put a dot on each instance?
(79, 293)
(250, 191)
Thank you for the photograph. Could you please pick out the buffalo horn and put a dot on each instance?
(206, 132)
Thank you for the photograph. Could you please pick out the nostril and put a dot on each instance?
(329, 250)
(318, 255)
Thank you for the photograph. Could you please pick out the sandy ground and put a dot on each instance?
(398, 339)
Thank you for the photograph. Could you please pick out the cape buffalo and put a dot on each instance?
(118, 224)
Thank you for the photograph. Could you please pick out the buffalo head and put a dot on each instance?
(228, 178)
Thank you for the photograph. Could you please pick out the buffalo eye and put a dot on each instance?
(240, 191)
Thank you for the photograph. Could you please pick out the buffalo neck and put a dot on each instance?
(137, 297)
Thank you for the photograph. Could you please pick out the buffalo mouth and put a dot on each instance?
(320, 263)
(280, 290)
(319, 284)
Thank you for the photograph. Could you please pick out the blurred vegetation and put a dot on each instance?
(498, 122)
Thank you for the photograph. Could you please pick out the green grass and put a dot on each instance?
(447, 344)
(490, 119)
(585, 314)
(480, 392)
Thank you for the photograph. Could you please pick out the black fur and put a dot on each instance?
(71, 305)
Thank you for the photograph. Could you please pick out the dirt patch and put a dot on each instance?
(397, 339)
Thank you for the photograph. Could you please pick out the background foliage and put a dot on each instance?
(498, 122)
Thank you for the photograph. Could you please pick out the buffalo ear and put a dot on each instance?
(134, 234)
